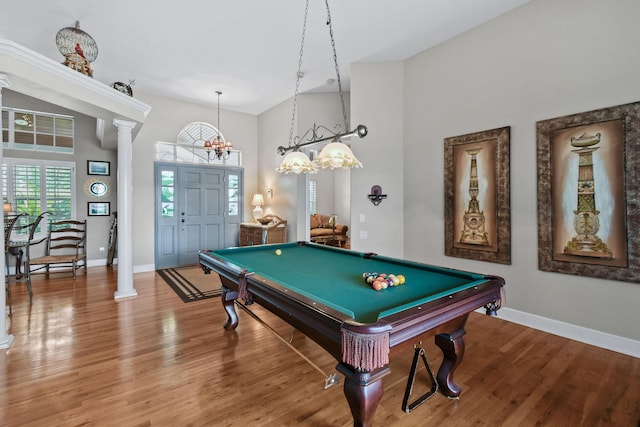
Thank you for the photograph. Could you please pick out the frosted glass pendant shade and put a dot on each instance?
(337, 155)
(297, 162)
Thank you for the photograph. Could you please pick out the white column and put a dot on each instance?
(5, 339)
(125, 210)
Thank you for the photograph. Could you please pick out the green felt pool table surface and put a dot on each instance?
(333, 277)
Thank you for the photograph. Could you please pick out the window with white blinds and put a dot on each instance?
(33, 187)
(59, 193)
(31, 130)
(313, 205)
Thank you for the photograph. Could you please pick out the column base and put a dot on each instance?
(125, 294)
(6, 341)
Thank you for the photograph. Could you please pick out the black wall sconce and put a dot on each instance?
(376, 195)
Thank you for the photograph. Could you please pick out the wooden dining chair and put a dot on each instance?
(65, 247)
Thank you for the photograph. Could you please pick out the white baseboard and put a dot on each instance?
(144, 268)
(567, 330)
(98, 262)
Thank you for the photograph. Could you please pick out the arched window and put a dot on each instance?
(189, 147)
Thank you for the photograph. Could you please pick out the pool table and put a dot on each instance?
(320, 291)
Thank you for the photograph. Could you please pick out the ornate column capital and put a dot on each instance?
(124, 124)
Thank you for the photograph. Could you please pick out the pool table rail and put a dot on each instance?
(412, 322)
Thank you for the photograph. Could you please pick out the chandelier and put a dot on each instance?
(334, 155)
(221, 149)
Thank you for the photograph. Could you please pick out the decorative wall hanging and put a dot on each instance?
(477, 206)
(97, 167)
(79, 49)
(588, 193)
(376, 195)
(96, 187)
(98, 208)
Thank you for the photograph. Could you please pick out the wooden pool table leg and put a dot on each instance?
(363, 391)
(228, 298)
(452, 346)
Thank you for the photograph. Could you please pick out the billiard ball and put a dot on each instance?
(278, 252)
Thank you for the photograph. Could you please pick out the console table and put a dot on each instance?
(254, 233)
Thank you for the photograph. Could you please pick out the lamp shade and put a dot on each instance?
(337, 155)
(297, 162)
(7, 208)
(257, 200)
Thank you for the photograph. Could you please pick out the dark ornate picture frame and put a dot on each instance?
(588, 193)
(477, 199)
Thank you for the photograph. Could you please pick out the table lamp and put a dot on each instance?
(258, 202)
(7, 208)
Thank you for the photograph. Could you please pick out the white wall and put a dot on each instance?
(543, 60)
(166, 119)
(377, 102)
(273, 131)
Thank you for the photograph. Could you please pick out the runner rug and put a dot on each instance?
(191, 284)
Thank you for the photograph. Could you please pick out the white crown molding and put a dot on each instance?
(36, 75)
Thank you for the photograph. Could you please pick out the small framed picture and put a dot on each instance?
(96, 167)
(99, 209)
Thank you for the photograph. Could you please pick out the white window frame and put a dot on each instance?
(10, 162)
(313, 196)
(10, 128)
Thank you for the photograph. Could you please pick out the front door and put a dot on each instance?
(201, 202)
(196, 210)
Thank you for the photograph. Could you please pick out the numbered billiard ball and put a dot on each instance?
(278, 252)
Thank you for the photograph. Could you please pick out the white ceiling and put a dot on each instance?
(248, 49)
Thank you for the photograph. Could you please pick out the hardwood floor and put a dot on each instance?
(81, 358)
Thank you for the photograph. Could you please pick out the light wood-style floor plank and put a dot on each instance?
(82, 359)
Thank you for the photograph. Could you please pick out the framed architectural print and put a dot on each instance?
(477, 206)
(96, 167)
(588, 197)
(98, 209)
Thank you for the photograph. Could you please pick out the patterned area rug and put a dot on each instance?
(191, 284)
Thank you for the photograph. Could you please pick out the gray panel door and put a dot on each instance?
(197, 207)
(202, 201)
